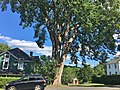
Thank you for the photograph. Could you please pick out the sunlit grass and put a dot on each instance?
(89, 85)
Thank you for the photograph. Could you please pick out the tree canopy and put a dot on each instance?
(78, 27)
(4, 47)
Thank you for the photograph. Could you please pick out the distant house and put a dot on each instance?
(15, 61)
(113, 66)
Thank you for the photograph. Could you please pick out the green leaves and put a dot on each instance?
(85, 74)
(4, 47)
(97, 23)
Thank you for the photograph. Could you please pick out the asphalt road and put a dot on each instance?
(94, 88)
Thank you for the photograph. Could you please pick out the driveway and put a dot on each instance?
(94, 88)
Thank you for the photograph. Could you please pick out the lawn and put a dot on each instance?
(62, 87)
(89, 85)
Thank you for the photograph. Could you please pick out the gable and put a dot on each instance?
(7, 52)
(19, 54)
(114, 60)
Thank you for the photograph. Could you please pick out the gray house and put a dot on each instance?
(15, 61)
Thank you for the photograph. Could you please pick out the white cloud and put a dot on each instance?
(27, 45)
(115, 36)
(117, 54)
(5, 38)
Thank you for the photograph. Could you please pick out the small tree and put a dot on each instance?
(100, 70)
(36, 66)
(4, 47)
(85, 74)
(68, 74)
(45, 66)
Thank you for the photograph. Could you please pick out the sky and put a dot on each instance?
(15, 36)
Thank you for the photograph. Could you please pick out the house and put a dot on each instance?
(15, 61)
(113, 66)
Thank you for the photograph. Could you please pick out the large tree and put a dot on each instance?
(83, 26)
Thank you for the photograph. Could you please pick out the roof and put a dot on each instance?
(19, 54)
(115, 60)
(35, 57)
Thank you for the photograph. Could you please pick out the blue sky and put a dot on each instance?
(13, 35)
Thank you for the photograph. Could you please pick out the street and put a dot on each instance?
(94, 88)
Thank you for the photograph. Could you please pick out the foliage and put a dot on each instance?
(75, 26)
(108, 79)
(4, 47)
(45, 66)
(5, 80)
(93, 23)
(36, 66)
(99, 70)
(69, 73)
(85, 74)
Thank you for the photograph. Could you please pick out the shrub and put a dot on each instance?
(5, 80)
(107, 79)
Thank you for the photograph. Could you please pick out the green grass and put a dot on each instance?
(1, 89)
(89, 85)
(71, 86)
(5, 80)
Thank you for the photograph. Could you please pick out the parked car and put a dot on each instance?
(29, 82)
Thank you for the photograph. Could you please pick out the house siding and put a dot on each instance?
(119, 67)
(1, 59)
(13, 66)
(112, 69)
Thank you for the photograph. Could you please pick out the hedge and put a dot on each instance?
(107, 79)
(5, 80)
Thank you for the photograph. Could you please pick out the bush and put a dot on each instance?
(5, 80)
(107, 79)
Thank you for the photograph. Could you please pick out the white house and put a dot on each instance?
(113, 66)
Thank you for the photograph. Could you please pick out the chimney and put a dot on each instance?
(31, 54)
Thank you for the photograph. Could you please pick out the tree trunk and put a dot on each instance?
(58, 76)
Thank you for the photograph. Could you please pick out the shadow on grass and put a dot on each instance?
(60, 87)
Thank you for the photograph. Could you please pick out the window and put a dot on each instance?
(5, 65)
(109, 66)
(32, 78)
(109, 73)
(24, 78)
(6, 55)
(39, 78)
(115, 65)
(5, 61)
(20, 65)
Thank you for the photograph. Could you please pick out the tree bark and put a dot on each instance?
(57, 80)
